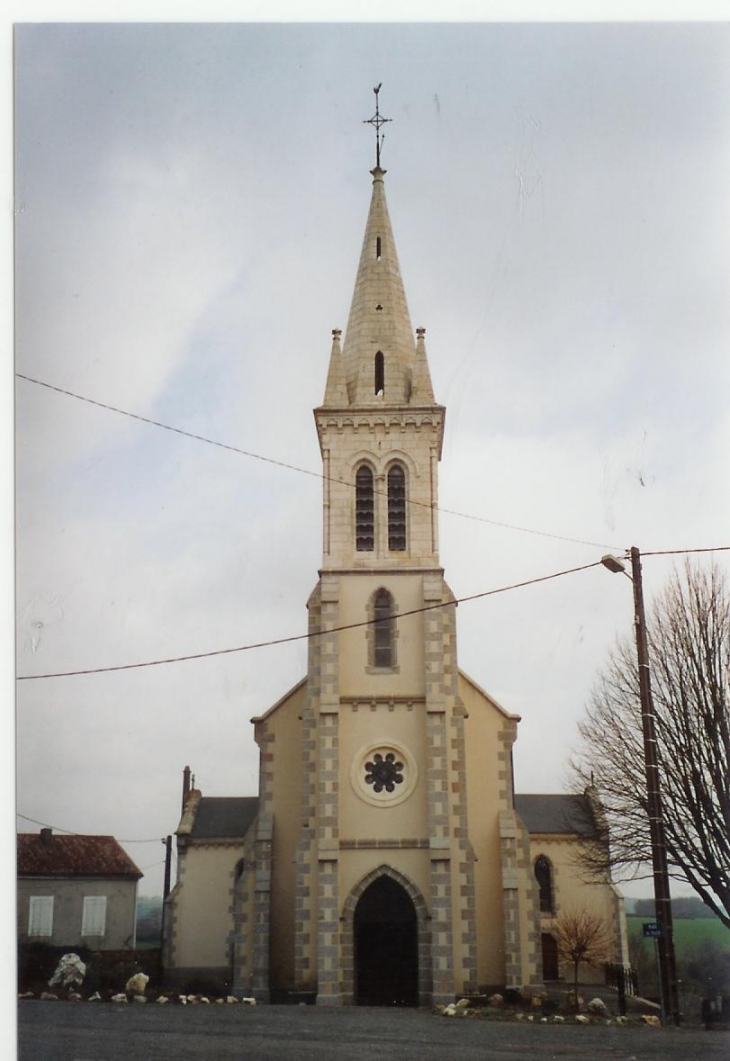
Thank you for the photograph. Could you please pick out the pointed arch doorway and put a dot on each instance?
(385, 931)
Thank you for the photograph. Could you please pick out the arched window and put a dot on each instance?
(364, 510)
(378, 248)
(383, 630)
(380, 372)
(544, 878)
(396, 509)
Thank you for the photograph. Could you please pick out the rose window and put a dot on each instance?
(384, 772)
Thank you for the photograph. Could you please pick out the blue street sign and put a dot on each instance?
(652, 930)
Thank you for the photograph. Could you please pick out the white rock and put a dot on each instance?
(582, 1019)
(96, 997)
(137, 984)
(249, 1001)
(162, 1000)
(139, 998)
(48, 996)
(121, 997)
(598, 1007)
(69, 971)
(230, 999)
(462, 1003)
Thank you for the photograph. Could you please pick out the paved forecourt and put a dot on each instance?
(55, 1031)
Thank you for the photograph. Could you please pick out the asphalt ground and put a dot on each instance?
(62, 1031)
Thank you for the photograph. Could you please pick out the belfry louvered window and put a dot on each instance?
(364, 510)
(396, 509)
(384, 629)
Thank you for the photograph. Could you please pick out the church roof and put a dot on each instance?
(224, 817)
(379, 323)
(567, 815)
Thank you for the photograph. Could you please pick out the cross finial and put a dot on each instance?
(377, 121)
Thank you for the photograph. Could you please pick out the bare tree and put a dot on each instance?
(689, 650)
(583, 938)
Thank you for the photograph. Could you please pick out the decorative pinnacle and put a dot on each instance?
(377, 120)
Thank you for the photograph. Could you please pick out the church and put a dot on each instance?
(386, 859)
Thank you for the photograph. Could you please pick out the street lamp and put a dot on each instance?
(662, 899)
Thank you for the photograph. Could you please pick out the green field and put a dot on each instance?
(688, 932)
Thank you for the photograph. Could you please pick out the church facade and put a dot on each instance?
(386, 859)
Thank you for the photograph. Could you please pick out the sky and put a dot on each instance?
(190, 201)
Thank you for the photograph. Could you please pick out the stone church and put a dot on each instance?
(386, 859)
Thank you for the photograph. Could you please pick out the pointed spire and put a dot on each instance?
(379, 351)
(422, 390)
(335, 393)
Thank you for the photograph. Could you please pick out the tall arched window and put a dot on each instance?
(544, 878)
(380, 372)
(383, 630)
(364, 510)
(396, 509)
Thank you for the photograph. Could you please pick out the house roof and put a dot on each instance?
(47, 854)
(224, 817)
(558, 814)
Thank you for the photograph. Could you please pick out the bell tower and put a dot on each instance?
(384, 778)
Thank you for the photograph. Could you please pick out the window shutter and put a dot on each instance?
(40, 915)
(94, 917)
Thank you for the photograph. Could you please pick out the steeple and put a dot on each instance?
(380, 362)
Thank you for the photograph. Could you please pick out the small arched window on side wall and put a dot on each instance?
(383, 630)
(397, 538)
(544, 878)
(380, 373)
(364, 510)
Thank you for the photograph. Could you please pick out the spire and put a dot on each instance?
(422, 390)
(379, 350)
(335, 393)
(380, 362)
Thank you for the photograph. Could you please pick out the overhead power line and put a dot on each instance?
(71, 832)
(305, 471)
(310, 634)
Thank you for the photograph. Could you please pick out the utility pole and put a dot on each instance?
(662, 897)
(667, 963)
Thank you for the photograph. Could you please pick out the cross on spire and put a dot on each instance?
(377, 120)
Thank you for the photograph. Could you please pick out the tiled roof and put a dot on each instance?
(50, 855)
(224, 817)
(559, 814)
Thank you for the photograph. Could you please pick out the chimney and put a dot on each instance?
(186, 786)
(46, 835)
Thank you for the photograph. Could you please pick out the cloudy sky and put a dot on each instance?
(190, 203)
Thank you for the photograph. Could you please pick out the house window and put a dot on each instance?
(544, 878)
(93, 921)
(378, 248)
(384, 630)
(40, 915)
(380, 373)
(396, 509)
(364, 510)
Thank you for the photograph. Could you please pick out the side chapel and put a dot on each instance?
(386, 859)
